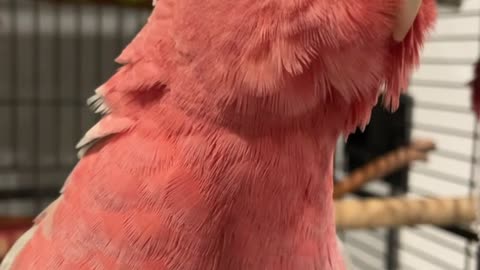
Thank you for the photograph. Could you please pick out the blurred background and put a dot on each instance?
(53, 54)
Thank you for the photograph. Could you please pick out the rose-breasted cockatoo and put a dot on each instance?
(216, 147)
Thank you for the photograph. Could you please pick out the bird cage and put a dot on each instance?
(55, 54)
(441, 112)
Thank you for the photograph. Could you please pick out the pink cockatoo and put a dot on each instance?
(216, 146)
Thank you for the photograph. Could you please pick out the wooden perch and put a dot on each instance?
(382, 166)
(360, 214)
(394, 212)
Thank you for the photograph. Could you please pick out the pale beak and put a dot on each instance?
(406, 16)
